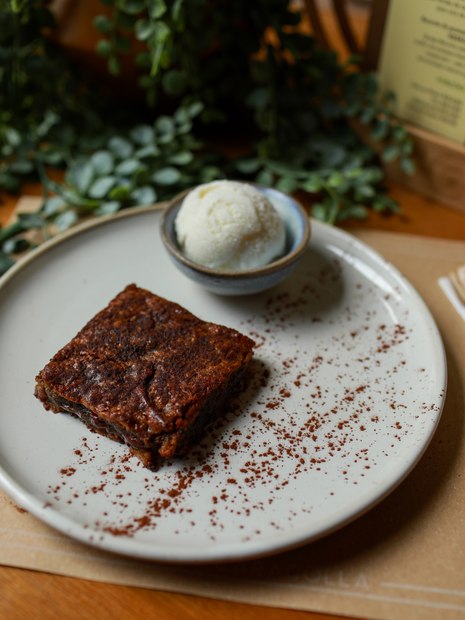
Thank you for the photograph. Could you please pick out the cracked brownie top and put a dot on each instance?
(144, 364)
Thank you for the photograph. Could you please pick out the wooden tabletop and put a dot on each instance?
(30, 594)
(41, 596)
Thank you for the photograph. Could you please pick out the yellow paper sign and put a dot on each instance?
(423, 62)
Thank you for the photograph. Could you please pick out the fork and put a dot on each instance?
(457, 277)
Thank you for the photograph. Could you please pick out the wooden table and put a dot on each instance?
(29, 594)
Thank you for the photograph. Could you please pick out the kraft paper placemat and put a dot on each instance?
(404, 559)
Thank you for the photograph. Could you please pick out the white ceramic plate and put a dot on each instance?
(347, 390)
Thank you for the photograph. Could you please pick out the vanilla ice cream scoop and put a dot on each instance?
(230, 226)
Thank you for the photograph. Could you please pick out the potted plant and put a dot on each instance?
(223, 89)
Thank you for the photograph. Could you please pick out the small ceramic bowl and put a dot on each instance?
(247, 281)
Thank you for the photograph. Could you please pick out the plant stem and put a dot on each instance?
(10, 231)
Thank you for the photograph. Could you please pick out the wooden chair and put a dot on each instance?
(370, 48)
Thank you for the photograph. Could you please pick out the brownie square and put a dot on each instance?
(146, 372)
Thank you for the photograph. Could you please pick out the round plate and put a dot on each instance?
(345, 393)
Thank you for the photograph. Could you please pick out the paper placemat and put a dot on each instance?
(404, 559)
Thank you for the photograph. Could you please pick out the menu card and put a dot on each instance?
(423, 61)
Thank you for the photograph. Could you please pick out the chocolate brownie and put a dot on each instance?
(146, 372)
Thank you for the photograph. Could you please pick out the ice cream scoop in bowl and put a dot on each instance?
(234, 238)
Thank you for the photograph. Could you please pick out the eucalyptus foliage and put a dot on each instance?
(203, 69)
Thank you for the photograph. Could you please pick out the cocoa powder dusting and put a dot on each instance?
(312, 399)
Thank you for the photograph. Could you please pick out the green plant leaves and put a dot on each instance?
(101, 162)
(165, 128)
(120, 147)
(81, 176)
(174, 82)
(30, 220)
(157, 8)
(143, 29)
(182, 158)
(65, 220)
(137, 167)
(108, 207)
(104, 48)
(101, 187)
(247, 165)
(133, 7)
(103, 24)
(197, 67)
(127, 167)
(166, 176)
(390, 153)
(5, 262)
(259, 98)
(142, 134)
(145, 195)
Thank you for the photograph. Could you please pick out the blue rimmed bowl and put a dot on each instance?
(247, 281)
